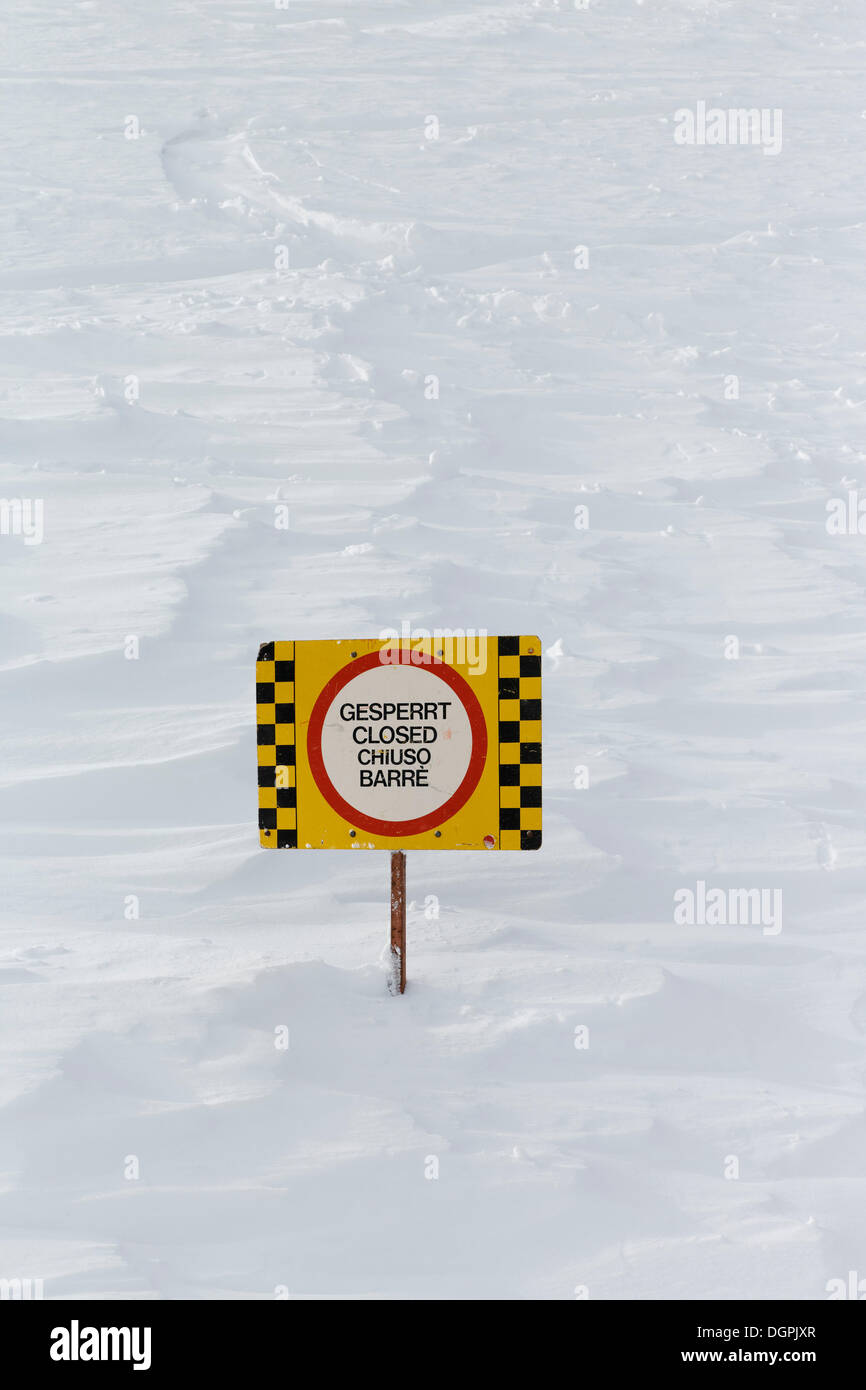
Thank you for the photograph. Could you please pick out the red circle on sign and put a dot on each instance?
(472, 776)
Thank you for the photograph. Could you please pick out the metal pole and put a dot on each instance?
(398, 916)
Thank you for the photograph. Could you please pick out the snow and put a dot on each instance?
(327, 257)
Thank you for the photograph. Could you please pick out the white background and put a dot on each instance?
(153, 259)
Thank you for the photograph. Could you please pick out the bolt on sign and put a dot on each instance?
(397, 745)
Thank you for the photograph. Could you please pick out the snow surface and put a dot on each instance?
(164, 386)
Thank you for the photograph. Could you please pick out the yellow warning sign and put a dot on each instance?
(381, 744)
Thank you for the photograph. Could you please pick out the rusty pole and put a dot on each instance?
(398, 916)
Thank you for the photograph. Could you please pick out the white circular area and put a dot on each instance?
(400, 764)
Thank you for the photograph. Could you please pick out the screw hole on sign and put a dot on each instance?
(489, 841)
(351, 834)
(438, 834)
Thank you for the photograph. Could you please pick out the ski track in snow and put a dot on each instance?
(163, 386)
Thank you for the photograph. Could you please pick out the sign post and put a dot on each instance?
(402, 744)
(398, 920)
